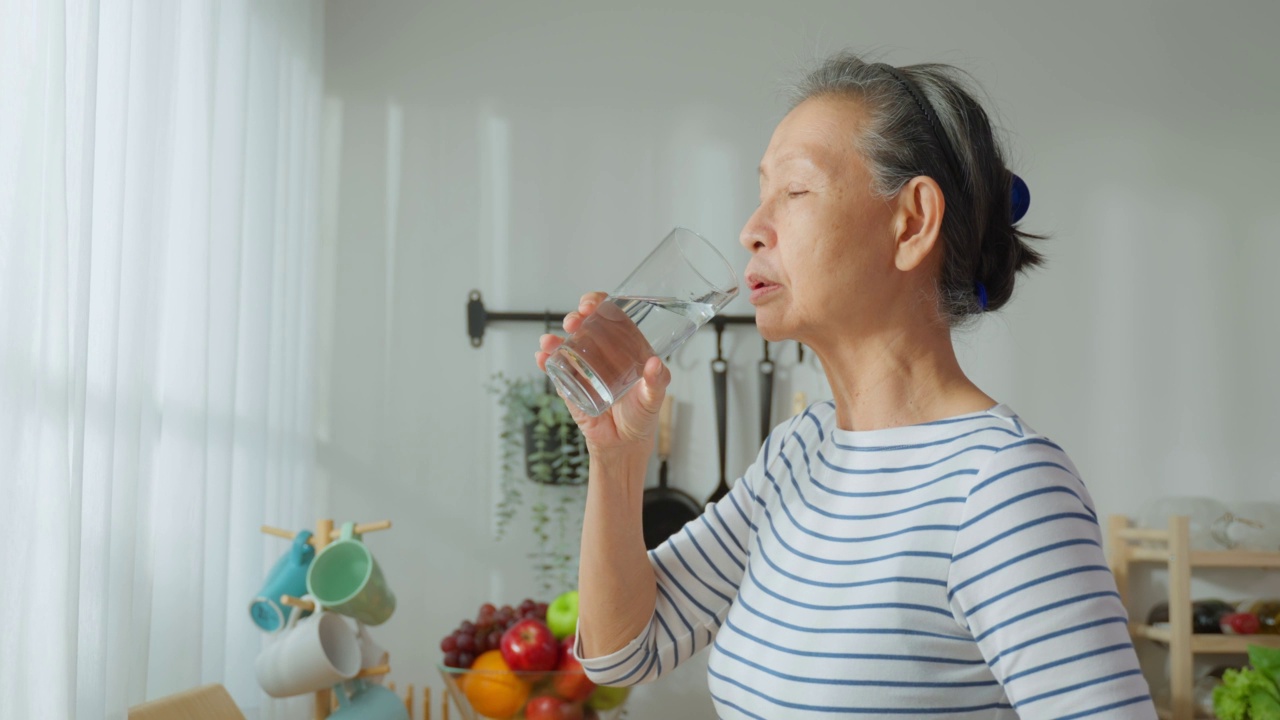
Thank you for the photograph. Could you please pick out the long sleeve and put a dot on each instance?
(698, 572)
(1029, 580)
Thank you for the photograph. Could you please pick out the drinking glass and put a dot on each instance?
(681, 285)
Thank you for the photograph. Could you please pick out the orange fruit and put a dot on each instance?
(493, 689)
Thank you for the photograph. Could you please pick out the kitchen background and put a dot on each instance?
(534, 151)
(237, 239)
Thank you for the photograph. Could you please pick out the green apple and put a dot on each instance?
(607, 698)
(562, 615)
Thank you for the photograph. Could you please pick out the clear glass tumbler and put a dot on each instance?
(683, 283)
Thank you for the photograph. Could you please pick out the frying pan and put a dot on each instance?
(766, 394)
(720, 375)
(666, 509)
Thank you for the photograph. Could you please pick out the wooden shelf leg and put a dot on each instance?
(1118, 549)
(1180, 656)
(324, 698)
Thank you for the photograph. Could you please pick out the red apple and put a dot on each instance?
(566, 649)
(529, 646)
(571, 681)
(547, 707)
(1240, 624)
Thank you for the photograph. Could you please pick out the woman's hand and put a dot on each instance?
(632, 421)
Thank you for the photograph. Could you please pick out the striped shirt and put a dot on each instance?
(952, 568)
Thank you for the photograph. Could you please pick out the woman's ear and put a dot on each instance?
(917, 221)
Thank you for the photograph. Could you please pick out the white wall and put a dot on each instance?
(535, 150)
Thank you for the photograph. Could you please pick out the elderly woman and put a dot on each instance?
(912, 547)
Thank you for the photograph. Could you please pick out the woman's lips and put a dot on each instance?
(763, 290)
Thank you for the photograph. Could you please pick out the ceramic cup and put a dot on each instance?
(311, 654)
(287, 577)
(371, 653)
(346, 578)
(368, 702)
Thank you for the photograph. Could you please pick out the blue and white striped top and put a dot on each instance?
(953, 568)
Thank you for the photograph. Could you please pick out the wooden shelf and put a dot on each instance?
(1208, 644)
(1212, 558)
(1165, 713)
(1172, 548)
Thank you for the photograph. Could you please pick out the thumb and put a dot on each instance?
(653, 387)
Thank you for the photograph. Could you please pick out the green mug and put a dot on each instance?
(345, 578)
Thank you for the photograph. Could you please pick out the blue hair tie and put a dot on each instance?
(1021, 198)
(982, 295)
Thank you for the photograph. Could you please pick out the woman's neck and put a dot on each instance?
(897, 377)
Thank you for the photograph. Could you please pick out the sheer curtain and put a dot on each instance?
(158, 233)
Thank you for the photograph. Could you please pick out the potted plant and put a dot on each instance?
(544, 459)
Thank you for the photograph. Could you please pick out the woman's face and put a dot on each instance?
(823, 249)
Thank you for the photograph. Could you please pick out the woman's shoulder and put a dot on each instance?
(1026, 466)
(1024, 441)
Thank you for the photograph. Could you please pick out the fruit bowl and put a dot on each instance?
(501, 694)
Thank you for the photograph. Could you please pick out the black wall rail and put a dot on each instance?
(479, 317)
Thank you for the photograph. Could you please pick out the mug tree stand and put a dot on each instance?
(325, 702)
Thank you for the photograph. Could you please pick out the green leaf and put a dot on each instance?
(1228, 703)
(1247, 694)
(1267, 660)
(1264, 705)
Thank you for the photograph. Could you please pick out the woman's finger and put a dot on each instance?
(588, 303)
(548, 343)
(656, 379)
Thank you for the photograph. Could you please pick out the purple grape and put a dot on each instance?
(451, 659)
(449, 643)
(466, 659)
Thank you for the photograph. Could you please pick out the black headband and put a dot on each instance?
(926, 109)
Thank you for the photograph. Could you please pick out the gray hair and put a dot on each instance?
(980, 242)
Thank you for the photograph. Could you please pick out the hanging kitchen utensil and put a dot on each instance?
(665, 509)
(720, 375)
(766, 394)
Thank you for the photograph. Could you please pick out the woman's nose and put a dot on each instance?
(758, 233)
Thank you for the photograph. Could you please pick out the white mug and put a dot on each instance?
(311, 654)
(371, 653)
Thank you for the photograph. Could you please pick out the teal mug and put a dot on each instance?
(345, 578)
(287, 577)
(368, 702)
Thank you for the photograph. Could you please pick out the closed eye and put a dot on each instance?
(797, 193)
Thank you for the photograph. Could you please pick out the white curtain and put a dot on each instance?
(158, 233)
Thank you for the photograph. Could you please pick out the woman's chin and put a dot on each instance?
(771, 325)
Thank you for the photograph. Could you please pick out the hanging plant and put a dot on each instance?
(541, 444)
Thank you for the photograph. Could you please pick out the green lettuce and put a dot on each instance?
(1251, 693)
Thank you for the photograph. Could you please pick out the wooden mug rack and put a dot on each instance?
(325, 702)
